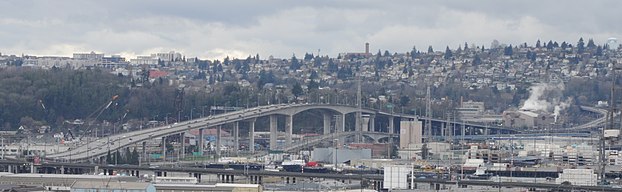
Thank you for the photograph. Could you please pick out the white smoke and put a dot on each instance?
(546, 98)
(561, 107)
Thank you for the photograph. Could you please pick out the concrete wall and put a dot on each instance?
(329, 155)
(410, 133)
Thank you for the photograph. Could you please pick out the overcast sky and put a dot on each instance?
(238, 28)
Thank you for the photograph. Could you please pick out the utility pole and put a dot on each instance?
(359, 122)
(428, 125)
(602, 162)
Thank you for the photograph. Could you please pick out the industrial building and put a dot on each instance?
(527, 119)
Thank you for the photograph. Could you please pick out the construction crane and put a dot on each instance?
(96, 115)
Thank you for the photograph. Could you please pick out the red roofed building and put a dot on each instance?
(153, 74)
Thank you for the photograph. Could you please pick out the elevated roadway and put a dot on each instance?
(91, 149)
(96, 148)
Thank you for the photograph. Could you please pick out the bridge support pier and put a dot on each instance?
(182, 152)
(372, 123)
(144, 152)
(365, 124)
(340, 126)
(289, 126)
(390, 140)
(164, 148)
(201, 141)
(236, 137)
(342, 123)
(358, 127)
(326, 118)
(218, 137)
(273, 132)
(251, 136)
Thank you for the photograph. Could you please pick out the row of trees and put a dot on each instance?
(131, 158)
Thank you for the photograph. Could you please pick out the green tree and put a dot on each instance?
(404, 100)
(135, 157)
(413, 53)
(580, 46)
(294, 63)
(109, 158)
(313, 85)
(448, 53)
(508, 51)
(591, 44)
(297, 90)
(117, 158)
(127, 156)
(265, 77)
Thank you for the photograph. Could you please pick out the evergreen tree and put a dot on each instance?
(135, 157)
(590, 43)
(430, 50)
(313, 85)
(564, 45)
(332, 66)
(295, 64)
(508, 51)
(297, 90)
(386, 53)
(599, 51)
(108, 158)
(317, 62)
(308, 56)
(265, 77)
(127, 156)
(413, 53)
(538, 43)
(117, 158)
(313, 75)
(580, 46)
(448, 53)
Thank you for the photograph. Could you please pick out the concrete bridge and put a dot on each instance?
(333, 120)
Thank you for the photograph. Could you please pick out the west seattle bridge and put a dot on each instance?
(364, 127)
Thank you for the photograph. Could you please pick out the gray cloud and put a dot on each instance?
(214, 29)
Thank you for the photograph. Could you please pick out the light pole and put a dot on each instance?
(191, 111)
(203, 111)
